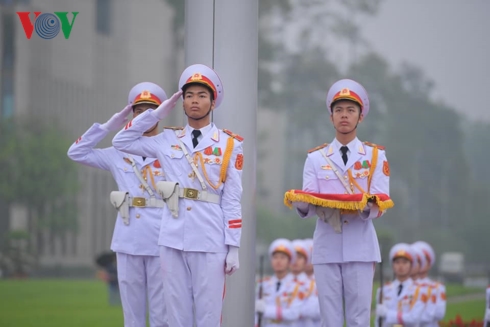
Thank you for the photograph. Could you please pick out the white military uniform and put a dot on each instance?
(307, 287)
(136, 244)
(281, 296)
(438, 290)
(310, 311)
(486, 318)
(194, 244)
(406, 308)
(426, 289)
(344, 262)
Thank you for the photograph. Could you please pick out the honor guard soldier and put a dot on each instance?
(437, 297)
(400, 303)
(298, 266)
(201, 224)
(345, 246)
(310, 307)
(426, 289)
(280, 304)
(140, 207)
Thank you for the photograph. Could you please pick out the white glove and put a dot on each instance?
(301, 206)
(330, 216)
(166, 107)
(487, 314)
(260, 306)
(368, 206)
(232, 263)
(381, 310)
(117, 120)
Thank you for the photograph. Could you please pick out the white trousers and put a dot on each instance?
(193, 278)
(140, 283)
(350, 283)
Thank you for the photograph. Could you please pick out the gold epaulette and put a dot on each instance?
(174, 128)
(235, 136)
(374, 145)
(318, 148)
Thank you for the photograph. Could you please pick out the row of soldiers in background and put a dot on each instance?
(412, 298)
(290, 298)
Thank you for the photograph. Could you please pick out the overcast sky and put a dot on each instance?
(448, 39)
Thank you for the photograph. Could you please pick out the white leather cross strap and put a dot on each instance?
(140, 178)
(191, 162)
(193, 194)
(339, 175)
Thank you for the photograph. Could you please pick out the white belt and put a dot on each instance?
(193, 194)
(146, 203)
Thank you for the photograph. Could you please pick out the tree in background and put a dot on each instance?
(37, 175)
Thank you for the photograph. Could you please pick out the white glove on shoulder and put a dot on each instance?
(232, 262)
(381, 310)
(166, 107)
(118, 119)
(260, 306)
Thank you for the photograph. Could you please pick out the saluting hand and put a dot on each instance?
(118, 120)
(166, 107)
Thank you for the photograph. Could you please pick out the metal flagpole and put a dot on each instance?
(223, 34)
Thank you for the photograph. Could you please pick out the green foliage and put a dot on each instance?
(36, 173)
(15, 258)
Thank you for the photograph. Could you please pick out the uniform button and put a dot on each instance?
(125, 169)
(345, 177)
(189, 208)
(138, 215)
(346, 222)
(172, 155)
(327, 177)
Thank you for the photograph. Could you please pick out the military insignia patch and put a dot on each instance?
(127, 160)
(145, 94)
(375, 145)
(239, 161)
(78, 140)
(317, 148)
(156, 164)
(386, 168)
(235, 136)
(128, 125)
(217, 151)
(176, 147)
